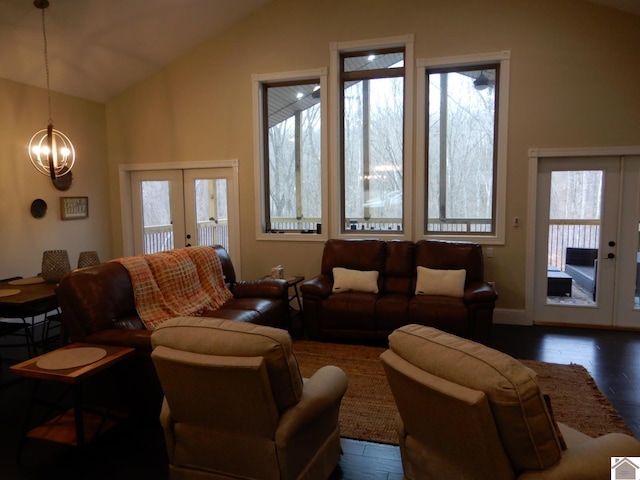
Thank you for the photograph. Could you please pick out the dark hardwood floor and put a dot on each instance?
(135, 450)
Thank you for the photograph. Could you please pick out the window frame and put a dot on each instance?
(497, 237)
(383, 45)
(261, 177)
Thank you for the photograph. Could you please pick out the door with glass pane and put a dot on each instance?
(207, 194)
(587, 241)
(178, 208)
(158, 210)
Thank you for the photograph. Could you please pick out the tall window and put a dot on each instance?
(461, 155)
(291, 127)
(462, 110)
(372, 139)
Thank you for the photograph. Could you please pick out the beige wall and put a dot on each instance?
(23, 111)
(574, 83)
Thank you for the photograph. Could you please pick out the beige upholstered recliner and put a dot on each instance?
(237, 407)
(470, 412)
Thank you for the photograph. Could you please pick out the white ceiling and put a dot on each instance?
(99, 48)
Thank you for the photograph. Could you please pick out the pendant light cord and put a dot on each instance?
(46, 67)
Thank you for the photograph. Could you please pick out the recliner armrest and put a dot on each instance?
(478, 292)
(590, 459)
(319, 286)
(263, 288)
(321, 397)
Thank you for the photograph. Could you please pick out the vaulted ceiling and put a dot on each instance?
(99, 48)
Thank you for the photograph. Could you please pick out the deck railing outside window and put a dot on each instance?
(571, 233)
(159, 238)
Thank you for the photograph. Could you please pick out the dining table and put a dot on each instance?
(27, 299)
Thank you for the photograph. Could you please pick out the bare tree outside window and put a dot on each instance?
(292, 162)
(461, 162)
(372, 140)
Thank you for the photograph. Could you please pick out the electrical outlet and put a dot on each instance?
(489, 252)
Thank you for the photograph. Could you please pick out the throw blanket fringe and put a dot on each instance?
(180, 282)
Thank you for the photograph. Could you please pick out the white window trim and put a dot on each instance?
(258, 152)
(503, 121)
(336, 186)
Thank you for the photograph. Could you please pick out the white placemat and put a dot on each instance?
(70, 358)
(27, 281)
(9, 291)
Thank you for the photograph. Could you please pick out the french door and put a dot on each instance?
(587, 241)
(175, 208)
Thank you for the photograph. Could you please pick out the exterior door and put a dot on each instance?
(586, 246)
(178, 208)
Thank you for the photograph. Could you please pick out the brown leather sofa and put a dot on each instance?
(98, 307)
(360, 316)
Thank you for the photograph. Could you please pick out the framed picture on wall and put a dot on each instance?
(74, 208)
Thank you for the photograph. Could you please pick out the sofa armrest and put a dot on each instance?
(318, 407)
(138, 339)
(262, 288)
(479, 292)
(319, 287)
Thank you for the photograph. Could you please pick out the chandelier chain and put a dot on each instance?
(46, 66)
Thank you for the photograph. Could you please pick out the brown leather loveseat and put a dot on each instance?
(98, 307)
(356, 315)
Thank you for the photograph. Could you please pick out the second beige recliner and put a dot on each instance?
(467, 411)
(236, 405)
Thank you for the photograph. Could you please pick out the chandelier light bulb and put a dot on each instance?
(54, 161)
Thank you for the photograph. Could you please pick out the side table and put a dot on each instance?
(292, 282)
(293, 313)
(86, 360)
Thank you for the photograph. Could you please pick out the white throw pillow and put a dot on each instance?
(449, 283)
(346, 280)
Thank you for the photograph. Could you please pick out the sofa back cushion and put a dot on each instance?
(354, 255)
(520, 412)
(446, 255)
(227, 265)
(399, 269)
(215, 336)
(93, 298)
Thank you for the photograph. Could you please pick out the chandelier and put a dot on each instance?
(51, 152)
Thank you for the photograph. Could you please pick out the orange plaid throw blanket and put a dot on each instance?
(180, 282)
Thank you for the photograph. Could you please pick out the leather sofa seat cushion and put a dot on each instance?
(355, 309)
(438, 311)
(229, 338)
(523, 421)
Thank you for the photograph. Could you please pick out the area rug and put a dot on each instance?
(368, 410)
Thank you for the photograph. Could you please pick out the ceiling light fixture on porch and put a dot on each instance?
(50, 150)
(482, 82)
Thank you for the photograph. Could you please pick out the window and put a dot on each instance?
(372, 148)
(373, 134)
(291, 154)
(464, 147)
(461, 153)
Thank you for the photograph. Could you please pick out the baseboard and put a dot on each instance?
(509, 316)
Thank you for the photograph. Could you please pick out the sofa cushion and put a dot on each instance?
(449, 283)
(519, 409)
(215, 336)
(347, 280)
